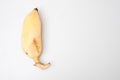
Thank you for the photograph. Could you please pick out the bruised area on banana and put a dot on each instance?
(32, 38)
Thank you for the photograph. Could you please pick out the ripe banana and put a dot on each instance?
(32, 38)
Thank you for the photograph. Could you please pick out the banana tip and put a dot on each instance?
(36, 9)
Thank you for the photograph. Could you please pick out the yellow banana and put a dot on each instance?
(32, 38)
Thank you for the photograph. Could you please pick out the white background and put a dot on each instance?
(81, 39)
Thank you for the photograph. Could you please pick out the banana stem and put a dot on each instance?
(40, 65)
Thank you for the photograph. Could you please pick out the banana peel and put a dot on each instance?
(32, 38)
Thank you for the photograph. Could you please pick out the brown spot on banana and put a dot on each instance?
(32, 38)
(26, 53)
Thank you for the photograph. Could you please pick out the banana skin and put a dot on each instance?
(32, 38)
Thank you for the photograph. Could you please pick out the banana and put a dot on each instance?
(32, 38)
